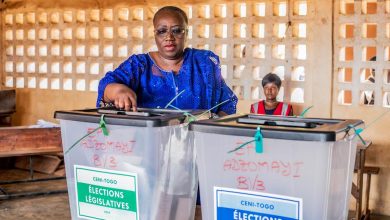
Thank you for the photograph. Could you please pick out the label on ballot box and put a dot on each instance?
(105, 194)
(238, 204)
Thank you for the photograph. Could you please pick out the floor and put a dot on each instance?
(35, 207)
(49, 206)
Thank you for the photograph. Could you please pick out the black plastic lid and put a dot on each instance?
(277, 127)
(145, 117)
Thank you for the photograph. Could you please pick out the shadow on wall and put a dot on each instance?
(378, 155)
(23, 101)
(381, 184)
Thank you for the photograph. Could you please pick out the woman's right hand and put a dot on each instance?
(122, 96)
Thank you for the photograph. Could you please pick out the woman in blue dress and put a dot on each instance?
(153, 79)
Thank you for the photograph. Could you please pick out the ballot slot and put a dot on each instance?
(145, 112)
(319, 121)
(277, 121)
(123, 112)
(271, 122)
(289, 121)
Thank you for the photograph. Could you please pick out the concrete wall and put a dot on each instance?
(32, 105)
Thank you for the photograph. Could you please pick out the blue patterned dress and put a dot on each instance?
(199, 77)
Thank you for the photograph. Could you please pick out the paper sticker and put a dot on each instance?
(238, 204)
(105, 194)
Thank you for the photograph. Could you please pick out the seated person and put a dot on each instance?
(153, 79)
(271, 84)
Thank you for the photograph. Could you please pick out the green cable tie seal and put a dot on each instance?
(357, 132)
(184, 112)
(189, 117)
(209, 110)
(259, 141)
(305, 111)
(102, 125)
(174, 98)
(241, 146)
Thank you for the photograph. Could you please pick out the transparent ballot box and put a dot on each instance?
(142, 168)
(252, 166)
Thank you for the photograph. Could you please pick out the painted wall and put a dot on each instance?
(32, 105)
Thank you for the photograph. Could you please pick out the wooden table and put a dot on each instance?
(24, 141)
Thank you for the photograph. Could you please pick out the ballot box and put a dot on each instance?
(143, 167)
(272, 167)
